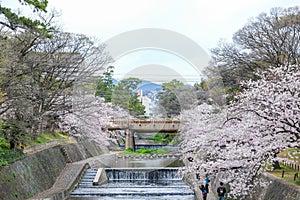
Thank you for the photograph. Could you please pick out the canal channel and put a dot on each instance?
(139, 177)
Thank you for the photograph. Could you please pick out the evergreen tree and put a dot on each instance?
(125, 96)
(105, 85)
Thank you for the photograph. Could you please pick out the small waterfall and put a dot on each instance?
(134, 184)
(154, 146)
(151, 174)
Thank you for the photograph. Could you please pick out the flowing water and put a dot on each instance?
(137, 178)
(134, 184)
(146, 162)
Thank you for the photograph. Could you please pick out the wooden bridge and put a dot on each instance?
(146, 125)
(143, 125)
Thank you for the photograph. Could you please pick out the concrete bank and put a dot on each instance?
(276, 189)
(42, 167)
(70, 176)
(65, 183)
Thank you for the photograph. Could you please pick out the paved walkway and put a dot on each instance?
(40, 147)
(210, 195)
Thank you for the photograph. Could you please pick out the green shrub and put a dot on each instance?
(12, 131)
(128, 150)
(144, 151)
(161, 151)
(3, 143)
(45, 137)
(165, 138)
(3, 162)
(41, 139)
(10, 155)
(159, 137)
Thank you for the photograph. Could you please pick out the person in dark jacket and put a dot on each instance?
(221, 190)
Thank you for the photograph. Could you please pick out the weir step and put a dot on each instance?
(136, 183)
(141, 191)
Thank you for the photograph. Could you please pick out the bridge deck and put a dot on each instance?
(145, 125)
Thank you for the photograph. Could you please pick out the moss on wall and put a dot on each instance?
(38, 172)
(32, 174)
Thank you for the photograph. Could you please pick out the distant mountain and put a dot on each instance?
(115, 81)
(148, 86)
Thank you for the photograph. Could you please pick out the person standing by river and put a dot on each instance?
(221, 190)
(207, 181)
(204, 192)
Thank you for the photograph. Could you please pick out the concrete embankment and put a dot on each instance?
(277, 189)
(274, 189)
(50, 173)
(41, 168)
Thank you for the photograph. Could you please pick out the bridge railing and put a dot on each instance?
(147, 124)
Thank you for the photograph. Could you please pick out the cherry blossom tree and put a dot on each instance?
(236, 143)
(89, 118)
(274, 98)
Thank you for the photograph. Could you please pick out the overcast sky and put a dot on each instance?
(204, 22)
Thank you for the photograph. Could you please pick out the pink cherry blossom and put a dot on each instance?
(236, 143)
(89, 118)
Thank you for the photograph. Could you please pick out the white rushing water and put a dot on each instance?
(134, 184)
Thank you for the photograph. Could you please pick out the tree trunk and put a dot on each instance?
(276, 165)
(12, 144)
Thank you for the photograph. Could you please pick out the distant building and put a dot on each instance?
(150, 105)
(140, 95)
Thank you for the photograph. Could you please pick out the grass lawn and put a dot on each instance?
(8, 155)
(292, 154)
(165, 138)
(289, 174)
(145, 151)
(45, 137)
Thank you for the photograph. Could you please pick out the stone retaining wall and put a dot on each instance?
(65, 183)
(38, 171)
(277, 189)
